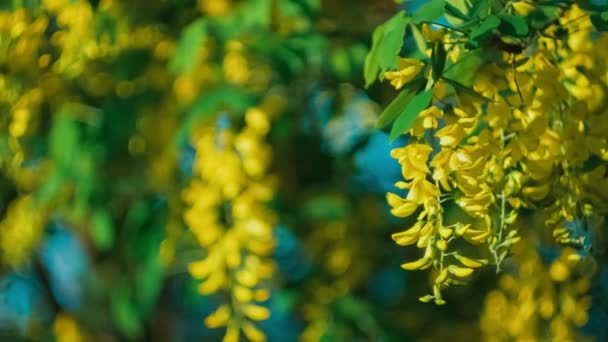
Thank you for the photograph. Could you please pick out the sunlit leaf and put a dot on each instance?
(405, 120)
(395, 108)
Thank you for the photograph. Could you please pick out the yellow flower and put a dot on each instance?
(432, 35)
(523, 8)
(451, 135)
(427, 119)
(413, 159)
(226, 212)
(407, 70)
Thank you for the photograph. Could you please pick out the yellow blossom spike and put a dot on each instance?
(461, 272)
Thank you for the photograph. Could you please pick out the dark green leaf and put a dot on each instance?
(430, 11)
(541, 17)
(592, 6)
(405, 120)
(438, 58)
(600, 21)
(455, 12)
(124, 312)
(513, 25)
(479, 8)
(489, 23)
(395, 108)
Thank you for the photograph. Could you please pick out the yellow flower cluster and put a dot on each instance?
(341, 250)
(538, 302)
(20, 230)
(228, 214)
(532, 137)
(66, 329)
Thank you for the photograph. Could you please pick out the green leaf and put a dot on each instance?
(542, 16)
(452, 10)
(419, 39)
(465, 68)
(489, 23)
(341, 63)
(102, 232)
(387, 41)
(459, 87)
(256, 13)
(431, 11)
(371, 66)
(149, 276)
(513, 25)
(393, 110)
(405, 120)
(64, 141)
(478, 7)
(186, 53)
(438, 59)
(124, 312)
(394, 36)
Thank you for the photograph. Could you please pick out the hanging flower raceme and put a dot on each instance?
(523, 133)
(228, 214)
(542, 300)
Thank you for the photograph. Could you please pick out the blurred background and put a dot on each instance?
(102, 101)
